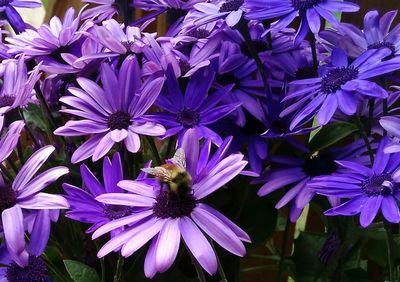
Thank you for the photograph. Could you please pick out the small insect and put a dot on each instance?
(174, 174)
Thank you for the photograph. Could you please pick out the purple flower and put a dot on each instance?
(50, 43)
(196, 109)
(376, 34)
(104, 10)
(24, 194)
(368, 189)
(392, 125)
(231, 11)
(35, 268)
(83, 205)
(342, 86)
(167, 216)
(309, 11)
(17, 90)
(113, 113)
(7, 7)
(299, 173)
(10, 139)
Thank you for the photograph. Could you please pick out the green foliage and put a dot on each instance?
(80, 272)
(331, 134)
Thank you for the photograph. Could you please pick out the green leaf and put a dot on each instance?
(331, 134)
(80, 272)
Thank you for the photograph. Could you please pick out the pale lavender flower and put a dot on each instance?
(10, 139)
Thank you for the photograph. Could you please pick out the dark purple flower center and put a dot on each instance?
(127, 44)
(304, 4)
(188, 118)
(198, 33)
(35, 271)
(336, 78)
(115, 212)
(5, 2)
(173, 205)
(321, 164)
(230, 6)
(379, 185)
(6, 100)
(119, 120)
(8, 198)
(383, 44)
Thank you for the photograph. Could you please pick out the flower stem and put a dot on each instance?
(280, 276)
(28, 129)
(197, 266)
(42, 100)
(365, 138)
(5, 172)
(119, 270)
(390, 247)
(154, 150)
(314, 54)
(220, 268)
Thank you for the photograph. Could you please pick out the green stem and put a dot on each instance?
(5, 172)
(13, 166)
(42, 100)
(120, 268)
(280, 276)
(169, 147)
(390, 247)
(371, 107)
(364, 136)
(197, 266)
(153, 149)
(314, 54)
(220, 268)
(28, 129)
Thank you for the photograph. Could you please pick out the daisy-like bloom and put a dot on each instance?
(24, 193)
(50, 43)
(170, 214)
(196, 109)
(114, 113)
(104, 10)
(35, 269)
(7, 8)
(342, 86)
(17, 90)
(299, 173)
(83, 205)
(231, 11)
(309, 11)
(376, 34)
(10, 139)
(368, 189)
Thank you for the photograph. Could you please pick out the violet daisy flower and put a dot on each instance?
(10, 139)
(17, 90)
(83, 205)
(167, 215)
(34, 270)
(24, 194)
(368, 189)
(7, 8)
(196, 109)
(342, 86)
(299, 173)
(376, 34)
(113, 113)
(49, 43)
(309, 11)
(104, 10)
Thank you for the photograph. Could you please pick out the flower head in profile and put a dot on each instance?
(18, 86)
(24, 193)
(342, 86)
(103, 10)
(83, 205)
(368, 189)
(114, 113)
(9, 141)
(299, 173)
(196, 109)
(7, 8)
(173, 211)
(377, 33)
(309, 11)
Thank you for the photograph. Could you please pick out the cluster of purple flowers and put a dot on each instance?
(235, 86)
